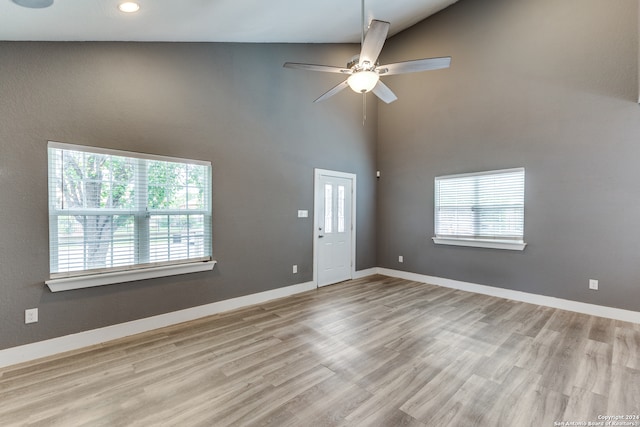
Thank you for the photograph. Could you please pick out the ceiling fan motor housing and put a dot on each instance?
(355, 60)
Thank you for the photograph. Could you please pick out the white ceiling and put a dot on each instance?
(289, 21)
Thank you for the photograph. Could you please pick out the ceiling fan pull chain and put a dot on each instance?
(364, 107)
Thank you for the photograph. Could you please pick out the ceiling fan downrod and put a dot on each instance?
(362, 24)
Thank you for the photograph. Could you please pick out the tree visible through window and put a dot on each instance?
(114, 210)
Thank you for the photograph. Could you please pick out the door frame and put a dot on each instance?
(316, 218)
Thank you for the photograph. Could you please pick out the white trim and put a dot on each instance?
(80, 282)
(547, 301)
(122, 153)
(316, 219)
(365, 273)
(480, 243)
(28, 352)
(482, 173)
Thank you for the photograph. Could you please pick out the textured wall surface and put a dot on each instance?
(231, 104)
(544, 84)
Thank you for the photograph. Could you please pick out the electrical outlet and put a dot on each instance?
(593, 284)
(31, 315)
(295, 269)
(400, 258)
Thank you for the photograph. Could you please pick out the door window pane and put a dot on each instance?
(341, 209)
(328, 208)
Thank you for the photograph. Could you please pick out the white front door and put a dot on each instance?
(334, 231)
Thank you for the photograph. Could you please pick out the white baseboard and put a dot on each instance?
(564, 304)
(364, 273)
(37, 350)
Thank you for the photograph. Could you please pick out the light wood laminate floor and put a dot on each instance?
(376, 351)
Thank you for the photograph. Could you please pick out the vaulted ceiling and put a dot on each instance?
(246, 21)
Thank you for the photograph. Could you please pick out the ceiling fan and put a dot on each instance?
(364, 71)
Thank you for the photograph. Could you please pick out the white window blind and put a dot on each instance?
(483, 206)
(114, 210)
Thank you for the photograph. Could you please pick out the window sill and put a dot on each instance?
(478, 243)
(80, 282)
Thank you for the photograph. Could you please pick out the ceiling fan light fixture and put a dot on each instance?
(363, 81)
(129, 7)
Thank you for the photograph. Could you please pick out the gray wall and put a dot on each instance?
(231, 104)
(545, 84)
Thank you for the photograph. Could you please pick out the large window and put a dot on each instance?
(114, 210)
(483, 209)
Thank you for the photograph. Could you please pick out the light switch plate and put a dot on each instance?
(303, 214)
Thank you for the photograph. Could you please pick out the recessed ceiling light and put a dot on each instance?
(34, 4)
(129, 7)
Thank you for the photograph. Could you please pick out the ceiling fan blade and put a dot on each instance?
(373, 42)
(337, 88)
(414, 66)
(383, 92)
(314, 67)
